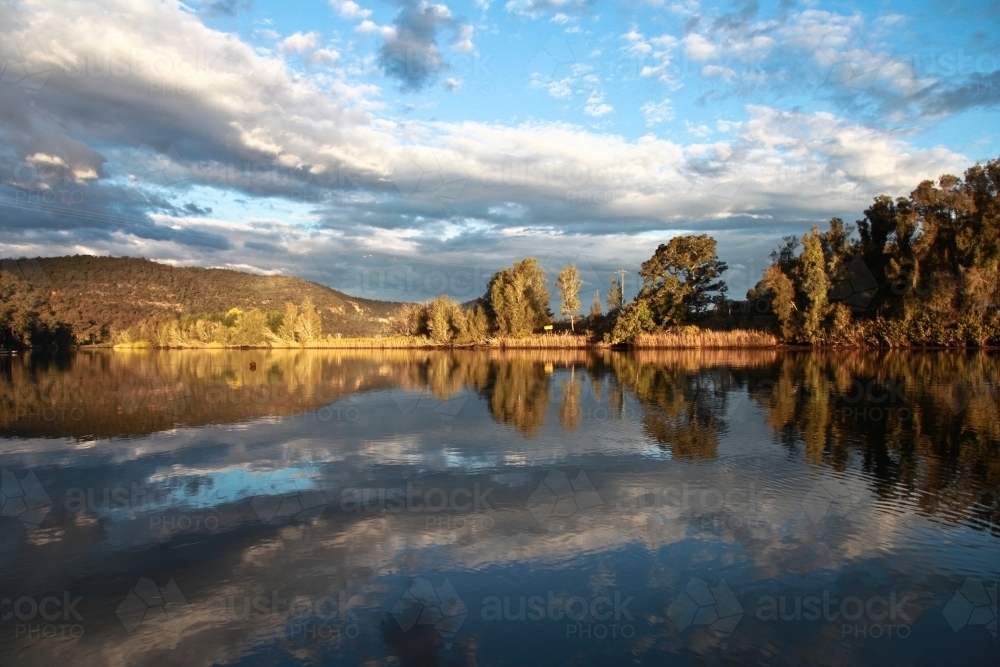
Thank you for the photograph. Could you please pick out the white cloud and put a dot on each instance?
(325, 136)
(533, 8)
(657, 112)
(637, 45)
(559, 88)
(700, 131)
(463, 39)
(718, 72)
(299, 42)
(663, 56)
(267, 33)
(596, 107)
(368, 27)
(350, 9)
(839, 54)
(696, 47)
(324, 56)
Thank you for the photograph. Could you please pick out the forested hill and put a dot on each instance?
(85, 299)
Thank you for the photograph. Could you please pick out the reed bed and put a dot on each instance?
(541, 342)
(328, 343)
(682, 338)
(695, 338)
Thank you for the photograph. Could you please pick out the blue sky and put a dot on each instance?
(399, 149)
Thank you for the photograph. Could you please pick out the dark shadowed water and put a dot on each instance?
(539, 508)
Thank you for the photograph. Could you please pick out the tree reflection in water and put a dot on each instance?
(921, 424)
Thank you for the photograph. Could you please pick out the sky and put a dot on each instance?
(399, 149)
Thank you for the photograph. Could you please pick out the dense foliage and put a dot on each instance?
(680, 281)
(517, 300)
(924, 269)
(297, 326)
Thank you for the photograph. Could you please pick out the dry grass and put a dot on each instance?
(541, 342)
(378, 343)
(680, 338)
(328, 343)
(695, 338)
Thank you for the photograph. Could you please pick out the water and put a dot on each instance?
(545, 507)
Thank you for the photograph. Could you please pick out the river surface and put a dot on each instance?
(472, 508)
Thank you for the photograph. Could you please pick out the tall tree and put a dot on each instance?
(779, 290)
(595, 308)
(814, 284)
(477, 324)
(517, 299)
(680, 280)
(308, 326)
(616, 295)
(445, 319)
(286, 330)
(875, 230)
(568, 283)
(926, 269)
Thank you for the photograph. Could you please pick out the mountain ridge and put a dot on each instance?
(85, 299)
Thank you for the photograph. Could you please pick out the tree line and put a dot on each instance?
(922, 269)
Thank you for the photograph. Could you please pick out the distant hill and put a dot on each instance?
(85, 299)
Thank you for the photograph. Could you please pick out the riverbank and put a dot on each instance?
(686, 338)
(681, 338)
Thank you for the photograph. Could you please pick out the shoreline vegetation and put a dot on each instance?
(921, 271)
(686, 338)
